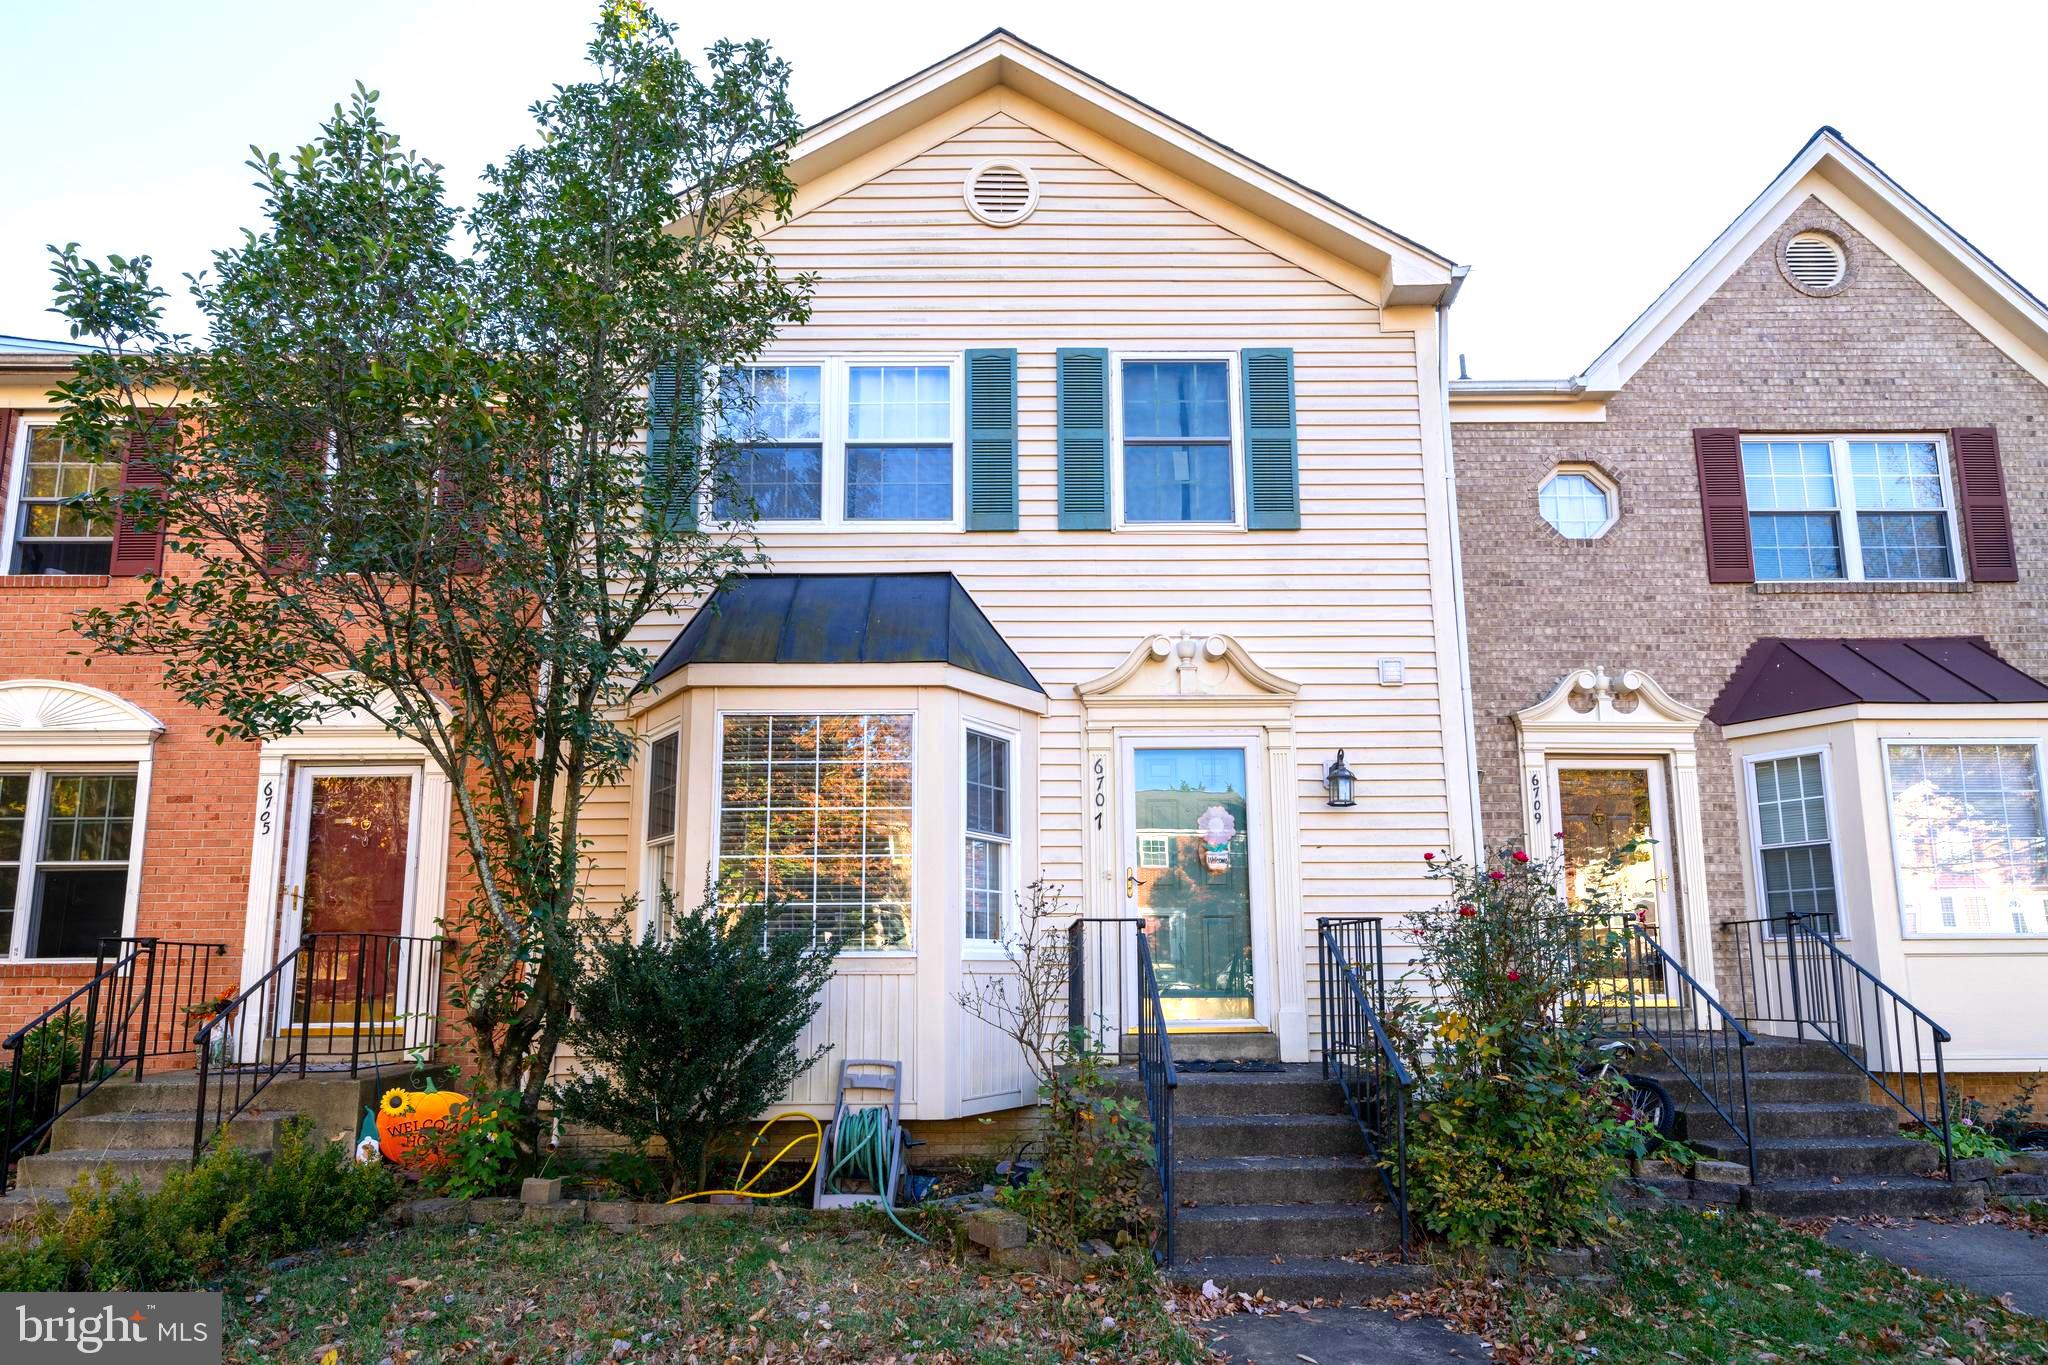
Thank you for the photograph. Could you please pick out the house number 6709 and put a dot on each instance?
(1101, 788)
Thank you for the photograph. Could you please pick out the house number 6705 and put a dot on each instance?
(264, 812)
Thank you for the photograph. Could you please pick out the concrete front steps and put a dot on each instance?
(142, 1130)
(1275, 1192)
(1822, 1148)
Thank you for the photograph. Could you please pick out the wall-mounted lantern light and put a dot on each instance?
(1340, 782)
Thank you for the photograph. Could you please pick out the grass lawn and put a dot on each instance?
(709, 1289)
(1740, 1287)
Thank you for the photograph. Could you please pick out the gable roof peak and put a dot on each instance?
(1411, 273)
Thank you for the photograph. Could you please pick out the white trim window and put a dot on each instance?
(1578, 501)
(1794, 840)
(663, 784)
(846, 443)
(815, 814)
(989, 876)
(1177, 441)
(1968, 841)
(1153, 851)
(1851, 509)
(45, 534)
(69, 840)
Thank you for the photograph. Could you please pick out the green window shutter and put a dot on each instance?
(1272, 467)
(674, 411)
(1083, 392)
(991, 440)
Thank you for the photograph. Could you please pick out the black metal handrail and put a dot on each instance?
(1792, 971)
(365, 998)
(180, 986)
(1358, 1054)
(1108, 955)
(1156, 1073)
(73, 1048)
(1704, 1042)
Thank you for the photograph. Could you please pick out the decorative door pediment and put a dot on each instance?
(1190, 667)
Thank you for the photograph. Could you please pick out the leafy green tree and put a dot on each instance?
(409, 476)
(693, 1031)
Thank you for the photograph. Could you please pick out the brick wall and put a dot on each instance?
(1881, 354)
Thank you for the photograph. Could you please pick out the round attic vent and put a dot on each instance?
(1001, 192)
(1815, 261)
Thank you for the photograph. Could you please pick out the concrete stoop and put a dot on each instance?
(1276, 1194)
(1822, 1148)
(141, 1130)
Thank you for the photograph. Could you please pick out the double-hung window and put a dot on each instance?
(66, 845)
(1850, 509)
(660, 881)
(989, 834)
(814, 814)
(1176, 442)
(777, 414)
(842, 443)
(1968, 838)
(51, 534)
(1795, 850)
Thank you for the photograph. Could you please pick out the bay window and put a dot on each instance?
(1795, 848)
(662, 785)
(1967, 837)
(814, 814)
(989, 871)
(66, 851)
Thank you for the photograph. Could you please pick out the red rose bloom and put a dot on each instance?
(1429, 857)
(1467, 911)
(1514, 976)
(1520, 856)
(1498, 875)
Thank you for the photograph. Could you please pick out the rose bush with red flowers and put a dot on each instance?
(1508, 1143)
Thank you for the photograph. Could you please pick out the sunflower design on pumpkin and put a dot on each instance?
(395, 1101)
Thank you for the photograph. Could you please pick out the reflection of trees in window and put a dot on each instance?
(1967, 826)
(815, 813)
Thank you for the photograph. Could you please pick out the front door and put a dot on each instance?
(348, 884)
(1605, 805)
(1187, 873)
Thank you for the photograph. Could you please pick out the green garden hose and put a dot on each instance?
(864, 1146)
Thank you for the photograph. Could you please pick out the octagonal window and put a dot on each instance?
(1580, 503)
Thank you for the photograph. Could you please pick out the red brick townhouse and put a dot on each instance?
(121, 818)
(1768, 581)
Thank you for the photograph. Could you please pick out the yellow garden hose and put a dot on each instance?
(746, 1190)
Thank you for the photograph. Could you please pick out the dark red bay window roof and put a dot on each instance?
(1780, 677)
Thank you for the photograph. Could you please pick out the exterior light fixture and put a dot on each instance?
(1340, 781)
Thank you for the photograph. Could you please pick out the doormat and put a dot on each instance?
(1228, 1067)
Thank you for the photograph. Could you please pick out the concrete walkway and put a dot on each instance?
(1987, 1257)
(1340, 1336)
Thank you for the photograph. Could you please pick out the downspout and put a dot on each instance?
(1443, 393)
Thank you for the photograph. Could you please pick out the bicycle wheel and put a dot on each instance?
(1649, 1104)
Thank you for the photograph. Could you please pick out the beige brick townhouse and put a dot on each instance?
(1766, 581)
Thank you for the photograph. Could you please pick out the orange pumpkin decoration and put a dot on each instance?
(405, 1117)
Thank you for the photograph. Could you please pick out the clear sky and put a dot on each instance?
(1577, 156)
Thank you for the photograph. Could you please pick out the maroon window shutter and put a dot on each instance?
(137, 551)
(1724, 506)
(1987, 518)
(467, 555)
(290, 551)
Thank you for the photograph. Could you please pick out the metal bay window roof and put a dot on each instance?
(833, 618)
(1786, 677)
